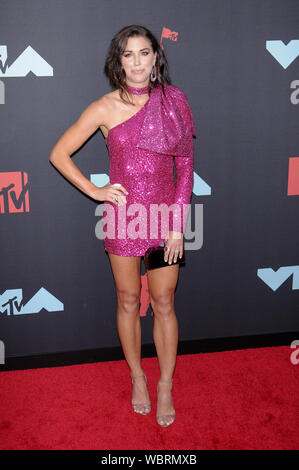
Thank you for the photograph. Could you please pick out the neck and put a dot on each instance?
(137, 90)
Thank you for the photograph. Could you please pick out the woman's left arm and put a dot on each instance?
(183, 192)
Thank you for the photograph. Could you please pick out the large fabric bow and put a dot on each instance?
(168, 124)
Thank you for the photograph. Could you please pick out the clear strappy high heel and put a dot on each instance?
(141, 408)
(163, 420)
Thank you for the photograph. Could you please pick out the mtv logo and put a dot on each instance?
(274, 279)
(14, 195)
(293, 177)
(168, 34)
(285, 54)
(28, 61)
(11, 302)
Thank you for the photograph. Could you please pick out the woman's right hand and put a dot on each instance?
(109, 192)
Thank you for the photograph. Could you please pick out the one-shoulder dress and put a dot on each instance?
(142, 151)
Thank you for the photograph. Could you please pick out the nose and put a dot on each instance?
(136, 60)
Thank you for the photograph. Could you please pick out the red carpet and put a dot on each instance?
(244, 399)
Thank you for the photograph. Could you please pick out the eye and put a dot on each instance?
(128, 53)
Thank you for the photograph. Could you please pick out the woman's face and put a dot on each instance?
(137, 61)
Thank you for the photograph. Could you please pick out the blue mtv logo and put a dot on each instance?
(285, 54)
(11, 302)
(28, 61)
(274, 279)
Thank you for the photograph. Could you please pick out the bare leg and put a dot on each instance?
(162, 283)
(126, 272)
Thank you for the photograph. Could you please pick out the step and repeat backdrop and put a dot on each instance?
(238, 63)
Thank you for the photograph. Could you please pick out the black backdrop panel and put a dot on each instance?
(57, 289)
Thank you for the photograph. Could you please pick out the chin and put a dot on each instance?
(139, 78)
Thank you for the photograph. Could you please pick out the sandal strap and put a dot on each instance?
(171, 415)
(137, 376)
(141, 404)
(165, 382)
(161, 418)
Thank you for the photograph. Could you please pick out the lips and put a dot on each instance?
(138, 71)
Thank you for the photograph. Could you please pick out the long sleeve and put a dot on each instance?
(168, 129)
(183, 193)
(184, 177)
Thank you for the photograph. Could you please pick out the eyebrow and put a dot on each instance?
(140, 49)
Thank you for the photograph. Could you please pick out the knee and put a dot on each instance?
(128, 301)
(163, 303)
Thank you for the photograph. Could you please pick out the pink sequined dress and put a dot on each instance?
(142, 151)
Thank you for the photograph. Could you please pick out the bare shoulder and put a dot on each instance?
(111, 99)
(104, 108)
(99, 108)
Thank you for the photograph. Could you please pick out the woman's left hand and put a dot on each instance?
(175, 247)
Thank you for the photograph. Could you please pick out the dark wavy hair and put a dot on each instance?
(113, 68)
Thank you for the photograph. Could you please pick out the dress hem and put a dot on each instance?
(124, 255)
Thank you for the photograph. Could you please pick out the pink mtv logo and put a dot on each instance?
(14, 196)
(293, 180)
(168, 34)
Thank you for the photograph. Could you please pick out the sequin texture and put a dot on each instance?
(142, 151)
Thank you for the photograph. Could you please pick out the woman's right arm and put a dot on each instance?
(72, 139)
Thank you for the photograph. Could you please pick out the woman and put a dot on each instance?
(146, 122)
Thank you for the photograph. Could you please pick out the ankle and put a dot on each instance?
(166, 381)
(136, 373)
(164, 385)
